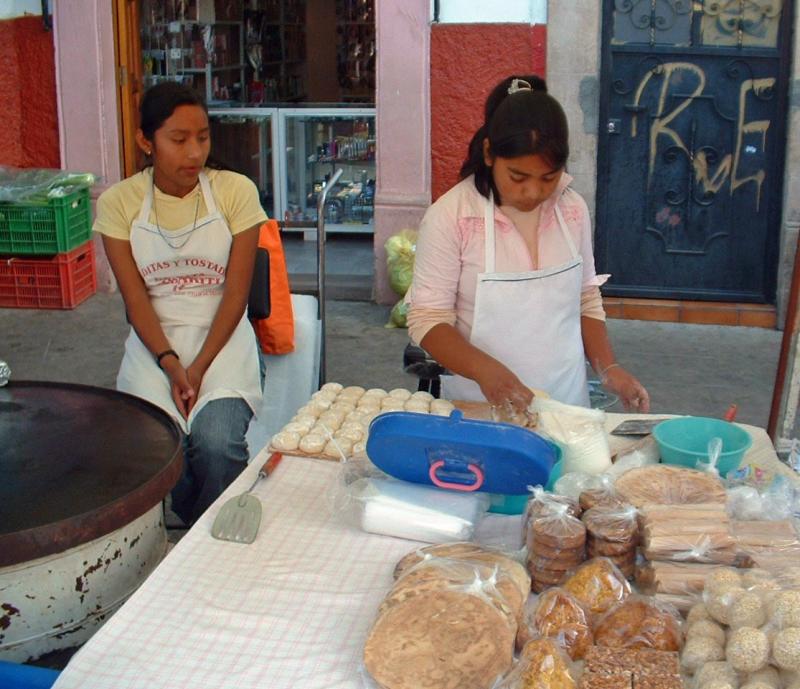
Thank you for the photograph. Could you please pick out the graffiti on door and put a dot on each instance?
(709, 181)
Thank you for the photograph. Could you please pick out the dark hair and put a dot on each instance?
(527, 122)
(158, 105)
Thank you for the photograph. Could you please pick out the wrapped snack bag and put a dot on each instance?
(640, 622)
(598, 584)
(613, 532)
(445, 623)
(556, 545)
(542, 665)
(561, 616)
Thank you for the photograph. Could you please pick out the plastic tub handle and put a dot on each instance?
(467, 488)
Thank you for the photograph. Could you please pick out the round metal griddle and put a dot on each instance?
(77, 462)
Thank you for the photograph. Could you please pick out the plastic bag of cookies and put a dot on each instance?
(640, 622)
(598, 584)
(541, 665)
(561, 617)
(556, 545)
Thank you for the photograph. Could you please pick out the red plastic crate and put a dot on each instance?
(60, 282)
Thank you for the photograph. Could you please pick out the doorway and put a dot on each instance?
(691, 148)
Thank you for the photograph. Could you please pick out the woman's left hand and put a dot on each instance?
(195, 375)
(632, 393)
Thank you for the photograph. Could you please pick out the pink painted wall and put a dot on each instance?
(29, 132)
(403, 125)
(461, 78)
(89, 126)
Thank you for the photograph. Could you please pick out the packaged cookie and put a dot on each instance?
(600, 495)
(542, 502)
(555, 547)
(598, 584)
(640, 622)
(613, 524)
(561, 616)
(542, 665)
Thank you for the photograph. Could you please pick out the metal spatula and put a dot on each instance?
(240, 516)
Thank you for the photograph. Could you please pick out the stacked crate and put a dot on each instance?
(46, 252)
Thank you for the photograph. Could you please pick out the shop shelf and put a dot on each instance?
(58, 282)
(52, 227)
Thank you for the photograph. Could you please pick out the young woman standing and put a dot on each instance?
(505, 293)
(181, 239)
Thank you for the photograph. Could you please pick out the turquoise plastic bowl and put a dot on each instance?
(684, 441)
(555, 474)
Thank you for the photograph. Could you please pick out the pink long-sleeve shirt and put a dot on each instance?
(450, 253)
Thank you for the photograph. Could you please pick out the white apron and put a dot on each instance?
(530, 322)
(184, 273)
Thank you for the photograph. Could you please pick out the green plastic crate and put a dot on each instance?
(53, 227)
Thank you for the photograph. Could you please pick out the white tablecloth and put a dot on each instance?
(292, 610)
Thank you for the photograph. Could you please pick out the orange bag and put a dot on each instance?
(276, 333)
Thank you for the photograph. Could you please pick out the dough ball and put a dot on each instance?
(422, 395)
(696, 613)
(700, 650)
(333, 387)
(295, 427)
(355, 416)
(336, 449)
(332, 419)
(442, 407)
(716, 671)
(400, 394)
(309, 410)
(722, 578)
(418, 406)
(285, 441)
(708, 629)
(748, 649)
(351, 433)
(305, 420)
(784, 609)
(324, 395)
(321, 429)
(354, 391)
(312, 443)
(370, 417)
(718, 602)
(766, 678)
(371, 404)
(343, 407)
(319, 405)
(392, 404)
(786, 649)
(747, 610)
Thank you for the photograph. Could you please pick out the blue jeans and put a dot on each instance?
(214, 454)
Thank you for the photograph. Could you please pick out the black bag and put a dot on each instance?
(258, 304)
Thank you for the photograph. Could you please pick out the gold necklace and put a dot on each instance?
(188, 234)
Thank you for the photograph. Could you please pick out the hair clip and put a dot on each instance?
(519, 85)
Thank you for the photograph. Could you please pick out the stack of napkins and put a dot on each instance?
(418, 513)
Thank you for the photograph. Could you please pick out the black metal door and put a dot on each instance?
(691, 147)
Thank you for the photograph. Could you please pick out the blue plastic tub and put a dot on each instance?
(684, 441)
(495, 458)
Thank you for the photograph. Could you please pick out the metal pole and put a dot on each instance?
(321, 268)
